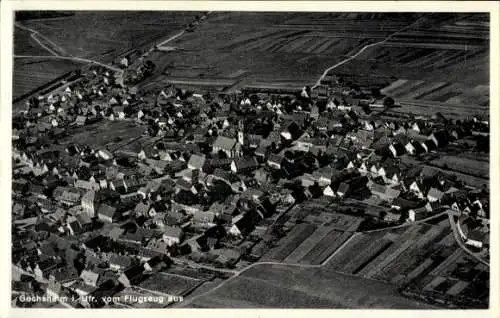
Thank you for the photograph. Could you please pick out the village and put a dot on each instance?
(181, 188)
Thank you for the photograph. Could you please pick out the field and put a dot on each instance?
(170, 284)
(99, 35)
(277, 50)
(103, 134)
(440, 64)
(103, 35)
(464, 165)
(24, 44)
(282, 286)
(29, 74)
(413, 257)
(316, 231)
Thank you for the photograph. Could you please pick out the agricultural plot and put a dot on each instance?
(290, 242)
(428, 108)
(442, 61)
(104, 134)
(423, 259)
(465, 178)
(281, 286)
(328, 245)
(117, 31)
(275, 48)
(24, 44)
(464, 165)
(308, 244)
(170, 284)
(29, 74)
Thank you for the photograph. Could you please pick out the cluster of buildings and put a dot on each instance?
(212, 175)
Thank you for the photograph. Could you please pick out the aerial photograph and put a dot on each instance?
(250, 159)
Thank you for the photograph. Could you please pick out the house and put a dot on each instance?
(74, 226)
(291, 132)
(391, 174)
(242, 165)
(434, 195)
(54, 289)
(142, 209)
(90, 202)
(397, 149)
(363, 139)
(196, 162)
(203, 217)
(155, 264)
(120, 262)
(417, 214)
(384, 192)
(343, 189)
(107, 213)
(418, 188)
(328, 191)
(119, 112)
(119, 186)
(275, 160)
(131, 276)
(105, 154)
(64, 275)
(81, 120)
(411, 148)
(172, 235)
(244, 224)
(226, 257)
(439, 138)
(229, 146)
(90, 278)
(44, 267)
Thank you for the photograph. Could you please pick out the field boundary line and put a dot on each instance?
(325, 73)
(237, 274)
(461, 243)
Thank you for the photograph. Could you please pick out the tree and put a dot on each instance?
(375, 92)
(388, 102)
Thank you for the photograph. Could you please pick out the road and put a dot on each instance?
(407, 223)
(364, 48)
(170, 39)
(238, 273)
(72, 58)
(35, 35)
(461, 243)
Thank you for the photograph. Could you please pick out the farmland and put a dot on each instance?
(170, 284)
(412, 257)
(316, 232)
(282, 286)
(29, 74)
(464, 165)
(103, 35)
(440, 64)
(284, 50)
(104, 134)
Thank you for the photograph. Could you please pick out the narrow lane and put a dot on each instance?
(364, 48)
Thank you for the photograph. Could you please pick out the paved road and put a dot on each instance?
(72, 58)
(238, 273)
(35, 34)
(364, 48)
(461, 243)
